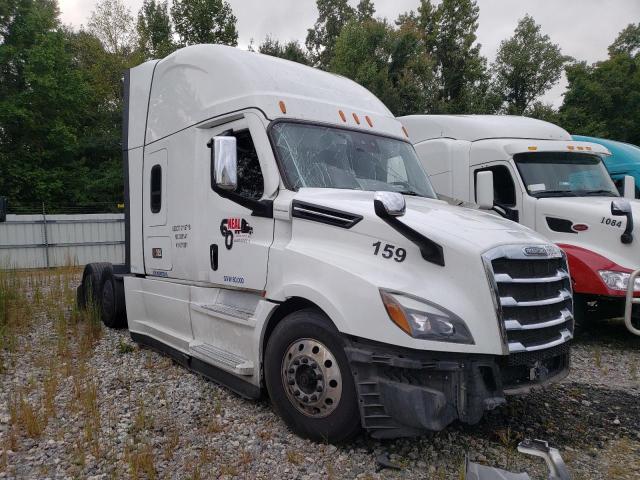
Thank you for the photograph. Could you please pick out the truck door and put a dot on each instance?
(238, 241)
(507, 194)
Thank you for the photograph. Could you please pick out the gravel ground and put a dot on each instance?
(119, 411)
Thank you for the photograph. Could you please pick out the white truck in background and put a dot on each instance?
(534, 173)
(282, 236)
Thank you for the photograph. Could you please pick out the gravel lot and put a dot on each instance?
(79, 401)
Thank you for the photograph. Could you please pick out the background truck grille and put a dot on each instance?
(533, 295)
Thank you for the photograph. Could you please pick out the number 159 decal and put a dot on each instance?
(390, 251)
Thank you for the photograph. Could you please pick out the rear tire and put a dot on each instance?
(91, 284)
(112, 309)
(325, 407)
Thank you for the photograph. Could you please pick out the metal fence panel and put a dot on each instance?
(37, 241)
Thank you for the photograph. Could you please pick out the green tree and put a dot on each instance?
(289, 51)
(333, 15)
(112, 23)
(627, 43)
(391, 63)
(44, 101)
(448, 32)
(155, 34)
(527, 66)
(204, 21)
(542, 111)
(603, 99)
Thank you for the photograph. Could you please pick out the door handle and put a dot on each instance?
(213, 256)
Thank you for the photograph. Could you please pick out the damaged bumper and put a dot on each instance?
(404, 392)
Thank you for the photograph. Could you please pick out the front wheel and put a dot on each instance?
(309, 379)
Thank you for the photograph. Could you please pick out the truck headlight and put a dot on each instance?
(618, 280)
(425, 320)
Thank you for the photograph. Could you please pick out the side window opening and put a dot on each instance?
(156, 189)
(504, 190)
(250, 181)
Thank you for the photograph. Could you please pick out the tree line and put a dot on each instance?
(60, 99)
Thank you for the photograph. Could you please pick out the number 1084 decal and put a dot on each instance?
(387, 250)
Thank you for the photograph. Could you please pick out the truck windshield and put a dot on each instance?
(328, 157)
(564, 174)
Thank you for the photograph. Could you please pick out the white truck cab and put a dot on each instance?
(532, 172)
(283, 236)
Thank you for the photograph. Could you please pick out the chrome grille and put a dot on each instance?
(533, 295)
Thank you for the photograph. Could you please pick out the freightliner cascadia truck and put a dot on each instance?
(282, 237)
(533, 172)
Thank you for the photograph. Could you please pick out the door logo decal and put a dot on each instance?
(235, 230)
(156, 252)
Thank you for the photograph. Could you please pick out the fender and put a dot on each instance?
(584, 265)
(313, 295)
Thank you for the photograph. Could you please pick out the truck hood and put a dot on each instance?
(604, 230)
(468, 230)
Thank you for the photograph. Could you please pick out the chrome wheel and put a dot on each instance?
(311, 378)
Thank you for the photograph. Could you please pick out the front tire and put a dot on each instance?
(309, 379)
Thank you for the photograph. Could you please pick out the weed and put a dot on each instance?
(294, 457)
(597, 357)
(124, 347)
(173, 440)
(141, 461)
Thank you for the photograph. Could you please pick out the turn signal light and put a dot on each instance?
(395, 312)
(580, 227)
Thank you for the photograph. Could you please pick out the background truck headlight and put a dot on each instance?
(618, 280)
(425, 320)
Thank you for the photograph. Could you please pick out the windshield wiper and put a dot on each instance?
(598, 193)
(555, 193)
(410, 193)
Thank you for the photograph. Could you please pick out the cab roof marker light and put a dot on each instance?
(588, 148)
(342, 115)
(356, 118)
(368, 119)
(283, 107)
(533, 148)
(571, 147)
(406, 134)
(580, 148)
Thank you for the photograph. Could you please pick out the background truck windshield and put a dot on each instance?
(325, 157)
(564, 174)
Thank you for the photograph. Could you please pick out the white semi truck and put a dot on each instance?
(282, 236)
(533, 172)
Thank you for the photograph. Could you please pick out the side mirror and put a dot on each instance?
(3, 209)
(629, 187)
(484, 190)
(393, 203)
(224, 163)
(620, 208)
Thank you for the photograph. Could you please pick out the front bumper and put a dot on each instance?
(405, 392)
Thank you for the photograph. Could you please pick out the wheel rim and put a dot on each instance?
(311, 378)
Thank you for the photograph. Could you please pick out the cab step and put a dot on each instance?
(221, 358)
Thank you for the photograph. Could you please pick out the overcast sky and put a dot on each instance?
(583, 28)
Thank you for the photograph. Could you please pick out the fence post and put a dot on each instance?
(46, 235)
